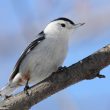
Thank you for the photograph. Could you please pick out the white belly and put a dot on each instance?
(44, 60)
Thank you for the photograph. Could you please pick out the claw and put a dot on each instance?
(60, 69)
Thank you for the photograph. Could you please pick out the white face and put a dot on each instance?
(61, 27)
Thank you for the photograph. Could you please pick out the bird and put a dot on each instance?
(42, 57)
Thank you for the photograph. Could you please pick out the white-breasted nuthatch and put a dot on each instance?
(43, 56)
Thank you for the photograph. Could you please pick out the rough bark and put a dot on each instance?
(88, 68)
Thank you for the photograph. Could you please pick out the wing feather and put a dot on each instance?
(41, 37)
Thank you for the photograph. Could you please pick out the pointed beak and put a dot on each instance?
(78, 25)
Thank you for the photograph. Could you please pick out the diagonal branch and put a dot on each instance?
(87, 68)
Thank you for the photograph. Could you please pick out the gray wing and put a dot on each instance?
(26, 51)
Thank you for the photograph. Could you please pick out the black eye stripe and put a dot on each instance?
(63, 25)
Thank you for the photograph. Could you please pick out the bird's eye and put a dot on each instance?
(63, 25)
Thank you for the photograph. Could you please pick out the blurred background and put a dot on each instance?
(22, 20)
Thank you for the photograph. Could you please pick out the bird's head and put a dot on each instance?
(61, 26)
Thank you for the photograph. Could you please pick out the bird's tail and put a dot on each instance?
(7, 90)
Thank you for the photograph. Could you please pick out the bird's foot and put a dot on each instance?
(60, 69)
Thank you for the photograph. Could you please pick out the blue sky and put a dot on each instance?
(20, 21)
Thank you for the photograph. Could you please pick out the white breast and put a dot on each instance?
(45, 59)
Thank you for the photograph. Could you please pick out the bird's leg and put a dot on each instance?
(26, 88)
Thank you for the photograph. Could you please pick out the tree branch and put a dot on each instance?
(87, 68)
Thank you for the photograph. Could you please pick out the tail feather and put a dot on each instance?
(7, 90)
